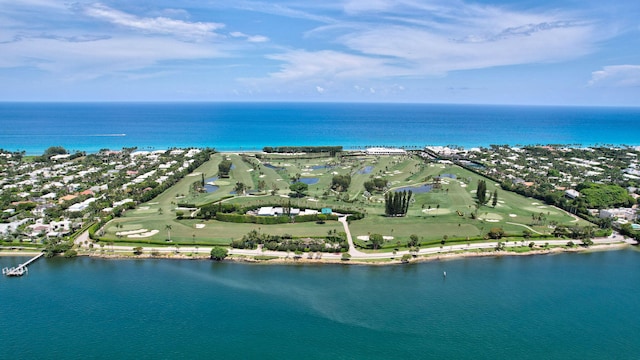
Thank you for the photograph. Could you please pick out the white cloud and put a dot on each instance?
(408, 38)
(616, 76)
(155, 25)
(320, 89)
(325, 64)
(359, 6)
(281, 10)
(250, 38)
(91, 59)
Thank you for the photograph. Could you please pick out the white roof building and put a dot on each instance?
(385, 151)
(572, 193)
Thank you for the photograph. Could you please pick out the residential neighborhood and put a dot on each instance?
(51, 196)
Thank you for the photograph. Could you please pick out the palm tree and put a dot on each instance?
(168, 228)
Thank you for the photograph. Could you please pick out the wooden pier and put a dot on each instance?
(20, 269)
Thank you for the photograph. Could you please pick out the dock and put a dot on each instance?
(20, 269)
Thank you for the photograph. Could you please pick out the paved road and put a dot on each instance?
(355, 254)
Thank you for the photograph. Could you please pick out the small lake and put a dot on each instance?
(416, 189)
(321, 167)
(309, 181)
(471, 164)
(276, 168)
(365, 170)
(208, 187)
(450, 176)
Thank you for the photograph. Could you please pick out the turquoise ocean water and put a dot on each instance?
(567, 306)
(570, 306)
(33, 127)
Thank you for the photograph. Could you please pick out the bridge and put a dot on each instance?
(20, 269)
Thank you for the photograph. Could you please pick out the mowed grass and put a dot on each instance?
(432, 216)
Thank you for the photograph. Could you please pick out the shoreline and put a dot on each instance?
(391, 260)
(346, 148)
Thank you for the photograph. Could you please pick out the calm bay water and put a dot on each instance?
(33, 127)
(568, 306)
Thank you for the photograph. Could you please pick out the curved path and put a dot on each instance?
(355, 253)
(525, 226)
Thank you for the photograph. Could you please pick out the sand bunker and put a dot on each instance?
(513, 215)
(131, 232)
(490, 217)
(144, 234)
(366, 238)
(434, 211)
(200, 226)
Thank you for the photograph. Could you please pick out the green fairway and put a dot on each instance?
(447, 211)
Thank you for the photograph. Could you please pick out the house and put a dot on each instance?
(81, 206)
(67, 198)
(628, 214)
(571, 194)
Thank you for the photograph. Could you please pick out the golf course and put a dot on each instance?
(444, 206)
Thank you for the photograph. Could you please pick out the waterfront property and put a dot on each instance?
(20, 269)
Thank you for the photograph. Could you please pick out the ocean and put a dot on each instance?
(568, 306)
(32, 127)
(565, 306)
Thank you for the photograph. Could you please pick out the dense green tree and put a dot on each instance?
(413, 240)
(224, 168)
(299, 189)
(397, 202)
(494, 200)
(377, 184)
(496, 233)
(54, 150)
(239, 188)
(376, 240)
(341, 183)
(602, 196)
(218, 253)
(481, 192)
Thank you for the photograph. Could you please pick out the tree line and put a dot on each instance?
(397, 202)
(332, 150)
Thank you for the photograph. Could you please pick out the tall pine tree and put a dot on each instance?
(397, 203)
(481, 192)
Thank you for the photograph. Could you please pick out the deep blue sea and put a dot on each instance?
(567, 306)
(33, 127)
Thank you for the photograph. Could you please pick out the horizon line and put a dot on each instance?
(307, 102)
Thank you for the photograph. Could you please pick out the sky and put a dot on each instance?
(560, 52)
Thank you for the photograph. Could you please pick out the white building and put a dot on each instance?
(81, 206)
(572, 193)
(620, 213)
(385, 151)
